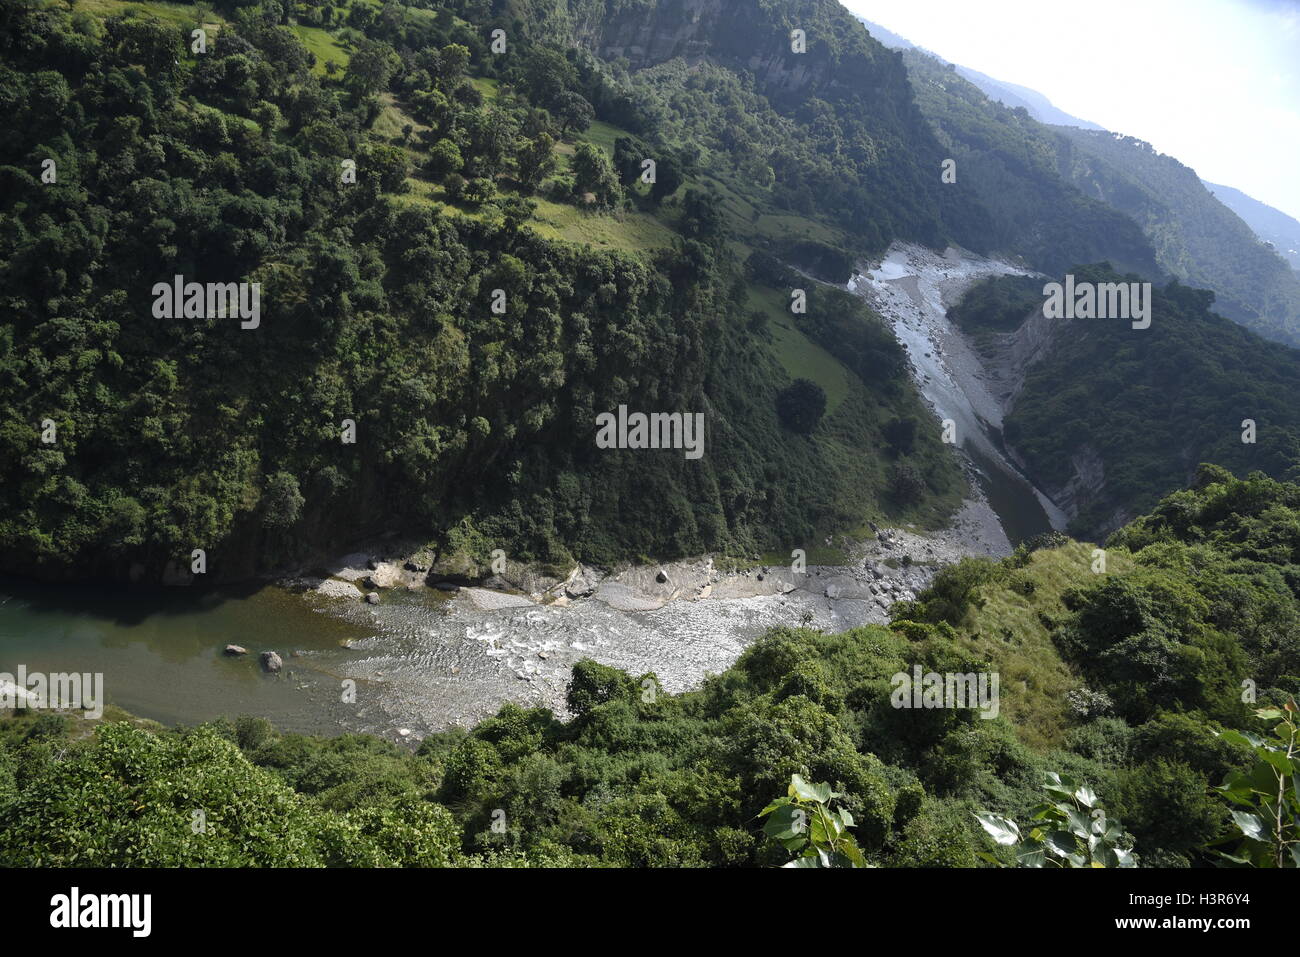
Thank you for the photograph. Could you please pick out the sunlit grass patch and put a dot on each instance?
(1014, 629)
(324, 46)
(800, 356)
(181, 14)
(621, 229)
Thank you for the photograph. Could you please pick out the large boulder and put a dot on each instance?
(271, 662)
(458, 566)
(582, 582)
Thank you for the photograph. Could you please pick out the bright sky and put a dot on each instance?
(1214, 83)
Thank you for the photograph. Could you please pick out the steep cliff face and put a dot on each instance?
(651, 33)
(1006, 359)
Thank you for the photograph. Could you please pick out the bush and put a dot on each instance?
(801, 406)
(594, 684)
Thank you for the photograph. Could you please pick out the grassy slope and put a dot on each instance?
(1010, 629)
(324, 46)
(178, 13)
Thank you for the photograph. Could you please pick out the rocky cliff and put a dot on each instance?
(1007, 358)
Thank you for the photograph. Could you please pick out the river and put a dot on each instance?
(913, 287)
(420, 661)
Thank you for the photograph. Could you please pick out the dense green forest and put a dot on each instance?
(1131, 679)
(1143, 406)
(496, 276)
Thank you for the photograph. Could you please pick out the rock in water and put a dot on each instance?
(236, 650)
(372, 598)
(271, 662)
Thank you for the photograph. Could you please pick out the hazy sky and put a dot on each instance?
(1214, 83)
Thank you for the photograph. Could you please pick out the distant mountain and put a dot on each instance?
(888, 37)
(1271, 225)
(1197, 238)
(1011, 95)
(1014, 95)
(1060, 196)
(1009, 161)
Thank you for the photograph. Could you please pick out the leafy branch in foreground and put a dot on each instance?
(1268, 795)
(804, 821)
(1073, 831)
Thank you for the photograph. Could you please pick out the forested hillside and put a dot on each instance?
(1197, 238)
(1123, 679)
(475, 226)
(1009, 160)
(1060, 195)
(1271, 225)
(830, 131)
(1110, 418)
(496, 275)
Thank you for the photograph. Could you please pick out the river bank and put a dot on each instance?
(440, 654)
(913, 288)
(389, 640)
(445, 651)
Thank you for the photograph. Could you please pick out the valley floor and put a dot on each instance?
(435, 661)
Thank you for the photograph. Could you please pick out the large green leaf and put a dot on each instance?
(1062, 844)
(1001, 829)
(785, 823)
(820, 834)
(1279, 760)
(820, 793)
(1249, 824)
(779, 802)
(1034, 857)
(854, 853)
(1080, 823)
(1241, 737)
